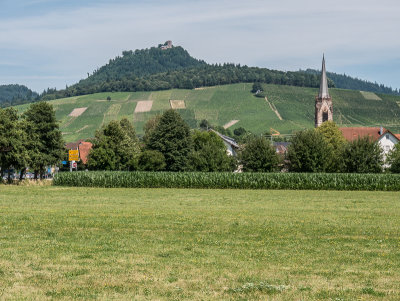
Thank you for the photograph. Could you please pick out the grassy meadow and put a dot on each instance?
(171, 244)
(222, 104)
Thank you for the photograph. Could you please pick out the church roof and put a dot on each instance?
(323, 87)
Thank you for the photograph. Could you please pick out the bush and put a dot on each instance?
(151, 160)
(393, 159)
(227, 180)
(363, 156)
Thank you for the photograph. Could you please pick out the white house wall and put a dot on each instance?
(387, 143)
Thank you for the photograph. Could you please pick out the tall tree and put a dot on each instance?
(336, 142)
(309, 152)
(172, 138)
(150, 126)
(259, 155)
(13, 152)
(45, 145)
(115, 147)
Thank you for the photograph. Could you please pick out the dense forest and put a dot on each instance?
(344, 81)
(11, 95)
(206, 75)
(156, 69)
(141, 63)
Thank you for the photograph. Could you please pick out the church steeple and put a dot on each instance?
(323, 102)
(323, 87)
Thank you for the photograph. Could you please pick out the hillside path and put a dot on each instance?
(273, 108)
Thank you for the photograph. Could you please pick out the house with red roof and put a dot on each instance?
(386, 139)
(83, 147)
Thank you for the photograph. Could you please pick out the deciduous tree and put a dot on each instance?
(309, 152)
(259, 155)
(209, 153)
(45, 144)
(115, 147)
(336, 142)
(13, 152)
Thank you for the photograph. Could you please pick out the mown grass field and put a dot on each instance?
(170, 244)
(222, 104)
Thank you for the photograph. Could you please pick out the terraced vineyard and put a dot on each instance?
(223, 104)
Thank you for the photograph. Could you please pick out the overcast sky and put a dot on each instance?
(51, 43)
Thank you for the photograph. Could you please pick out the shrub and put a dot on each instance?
(259, 155)
(393, 159)
(363, 156)
(151, 160)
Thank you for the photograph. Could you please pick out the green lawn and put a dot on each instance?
(171, 244)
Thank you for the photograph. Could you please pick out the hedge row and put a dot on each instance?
(299, 181)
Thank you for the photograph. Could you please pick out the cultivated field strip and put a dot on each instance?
(227, 180)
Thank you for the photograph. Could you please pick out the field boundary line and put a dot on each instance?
(273, 108)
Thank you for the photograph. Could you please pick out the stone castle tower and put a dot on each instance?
(323, 102)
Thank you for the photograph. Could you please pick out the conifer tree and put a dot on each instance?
(172, 138)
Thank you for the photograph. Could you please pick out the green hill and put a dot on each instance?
(156, 69)
(11, 95)
(223, 104)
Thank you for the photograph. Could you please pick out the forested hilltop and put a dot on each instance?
(157, 69)
(11, 95)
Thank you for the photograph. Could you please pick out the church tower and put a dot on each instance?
(323, 102)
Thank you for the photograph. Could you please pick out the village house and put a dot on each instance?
(231, 145)
(385, 138)
(83, 147)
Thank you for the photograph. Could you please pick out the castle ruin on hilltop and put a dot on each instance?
(167, 45)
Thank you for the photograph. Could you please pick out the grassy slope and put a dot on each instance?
(221, 104)
(197, 244)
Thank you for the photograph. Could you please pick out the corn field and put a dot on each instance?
(296, 181)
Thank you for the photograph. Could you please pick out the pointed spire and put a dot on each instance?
(323, 87)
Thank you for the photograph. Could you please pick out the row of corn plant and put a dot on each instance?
(299, 181)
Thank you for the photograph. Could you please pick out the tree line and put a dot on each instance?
(189, 78)
(170, 145)
(12, 95)
(344, 81)
(34, 140)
